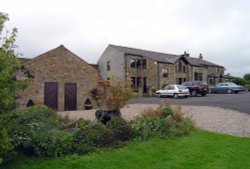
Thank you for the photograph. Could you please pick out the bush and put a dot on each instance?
(151, 112)
(88, 138)
(6, 147)
(82, 123)
(167, 111)
(121, 129)
(150, 127)
(53, 143)
(35, 128)
(182, 127)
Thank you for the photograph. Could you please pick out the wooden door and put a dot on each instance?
(70, 102)
(51, 94)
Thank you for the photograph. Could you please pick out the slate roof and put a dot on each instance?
(163, 57)
(160, 57)
(200, 62)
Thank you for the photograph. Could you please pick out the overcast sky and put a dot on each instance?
(219, 29)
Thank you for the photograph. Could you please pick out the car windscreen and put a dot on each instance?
(202, 83)
(233, 85)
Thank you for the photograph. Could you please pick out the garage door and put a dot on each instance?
(51, 94)
(70, 96)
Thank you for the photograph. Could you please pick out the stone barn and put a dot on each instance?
(61, 80)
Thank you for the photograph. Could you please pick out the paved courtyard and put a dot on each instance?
(224, 113)
(239, 102)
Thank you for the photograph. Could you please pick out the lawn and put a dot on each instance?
(201, 150)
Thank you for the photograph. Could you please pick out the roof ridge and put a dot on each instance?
(142, 50)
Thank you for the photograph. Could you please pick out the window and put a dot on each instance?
(197, 76)
(138, 63)
(165, 72)
(171, 88)
(108, 65)
(184, 69)
(133, 63)
(180, 67)
(136, 81)
(144, 64)
(200, 76)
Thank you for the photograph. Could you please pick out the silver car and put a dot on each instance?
(227, 87)
(174, 91)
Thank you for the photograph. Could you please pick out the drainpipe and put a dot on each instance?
(158, 74)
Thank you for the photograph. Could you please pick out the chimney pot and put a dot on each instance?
(200, 56)
(186, 54)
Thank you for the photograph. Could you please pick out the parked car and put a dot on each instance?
(197, 87)
(174, 91)
(227, 87)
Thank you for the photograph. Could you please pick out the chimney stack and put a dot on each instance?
(186, 54)
(200, 56)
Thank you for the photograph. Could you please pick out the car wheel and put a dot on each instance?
(158, 95)
(203, 94)
(175, 96)
(193, 93)
(229, 91)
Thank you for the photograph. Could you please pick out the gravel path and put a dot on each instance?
(208, 118)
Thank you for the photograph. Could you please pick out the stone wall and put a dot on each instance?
(62, 66)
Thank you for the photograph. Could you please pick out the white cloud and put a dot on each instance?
(218, 29)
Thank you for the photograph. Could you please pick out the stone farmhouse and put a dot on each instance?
(153, 70)
(61, 80)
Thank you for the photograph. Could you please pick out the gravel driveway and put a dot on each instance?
(208, 118)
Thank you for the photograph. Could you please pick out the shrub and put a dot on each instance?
(164, 109)
(35, 128)
(182, 127)
(112, 96)
(178, 114)
(165, 121)
(6, 148)
(167, 111)
(121, 129)
(53, 143)
(150, 127)
(82, 123)
(151, 112)
(86, 139)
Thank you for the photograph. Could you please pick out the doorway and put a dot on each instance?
(70, 102)
(51, 94)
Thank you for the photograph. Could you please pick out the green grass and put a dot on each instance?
(199, 150)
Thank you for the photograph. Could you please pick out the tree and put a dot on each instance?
(247, 77)
(8, 67)
(239, 81)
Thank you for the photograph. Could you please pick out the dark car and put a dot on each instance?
(197, 87)
(227, 87)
